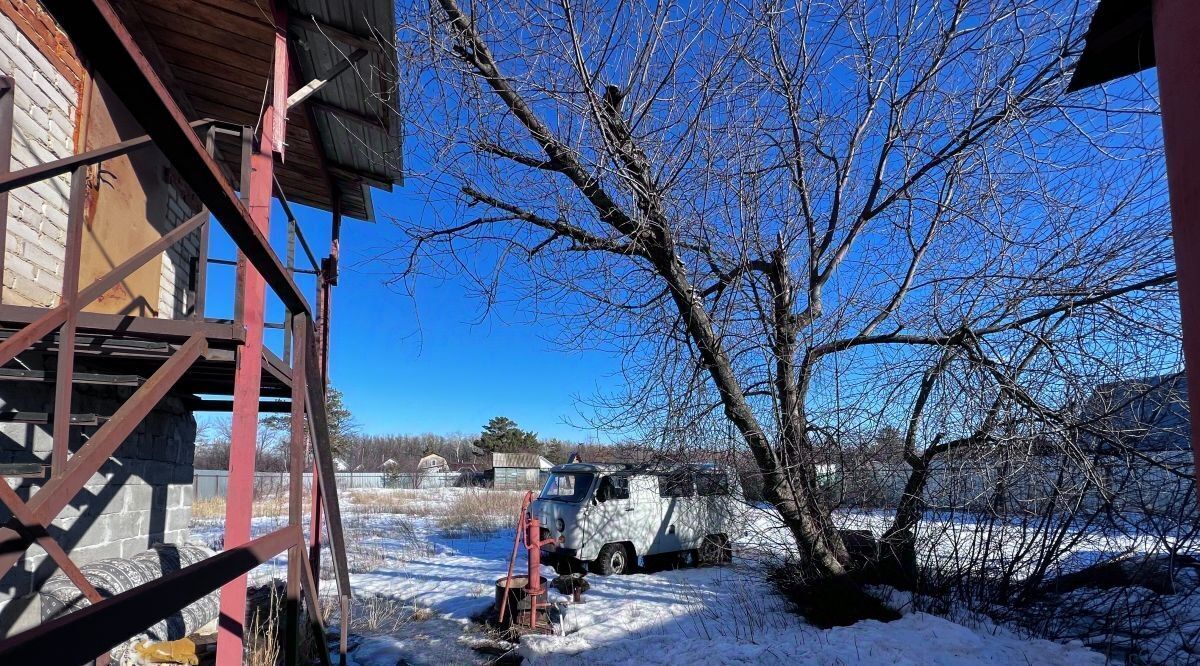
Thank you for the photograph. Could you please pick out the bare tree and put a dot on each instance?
(795, 219)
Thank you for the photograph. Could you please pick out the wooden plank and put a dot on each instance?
(205, 22)
(121, 219)
(235, 45)
(222, 12)
(230, 66)
(194, 78)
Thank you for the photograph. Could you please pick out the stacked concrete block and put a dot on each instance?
(140, 497)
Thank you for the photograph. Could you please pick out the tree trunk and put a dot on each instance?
(805, 515)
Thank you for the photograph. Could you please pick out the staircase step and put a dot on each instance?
(42, 418)
(24, 470)
(23, 375)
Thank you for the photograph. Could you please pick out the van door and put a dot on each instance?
(643, 514)
(714, 492)
(675, 493)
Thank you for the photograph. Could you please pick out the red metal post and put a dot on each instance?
(64, 384)
(512, 559)
(314, 526)
(248, 373)
(533, 589)
(1176, 24)
(320, 336)
(296, 489)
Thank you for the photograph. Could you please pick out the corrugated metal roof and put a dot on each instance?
(1119, 42)
(355, 115)
(216, 57)
(525, 460)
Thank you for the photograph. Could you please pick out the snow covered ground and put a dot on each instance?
(444, 577)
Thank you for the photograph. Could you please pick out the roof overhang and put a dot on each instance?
(1119, 42)
(341, 141)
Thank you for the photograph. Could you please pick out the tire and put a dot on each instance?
(715, 550)
(613, 559)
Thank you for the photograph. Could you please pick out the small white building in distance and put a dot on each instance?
(434, 472)
(519, 471)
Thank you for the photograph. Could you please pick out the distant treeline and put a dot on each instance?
(359, 452)
(368, 453)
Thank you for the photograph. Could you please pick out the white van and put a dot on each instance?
(608, 516)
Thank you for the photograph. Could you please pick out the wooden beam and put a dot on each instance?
(308, 89)
(349, 114)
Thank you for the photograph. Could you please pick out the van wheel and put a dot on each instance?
(715, 550)
(613, 559)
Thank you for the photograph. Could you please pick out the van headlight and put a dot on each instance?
(560, 525)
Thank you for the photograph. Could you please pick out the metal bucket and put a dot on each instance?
(518, 597)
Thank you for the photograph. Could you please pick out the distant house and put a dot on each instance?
(434, 472)
(1132, 454)
(519, 471)
(1149, 415)
(1139, 433)
(389, 465)
(432, 463)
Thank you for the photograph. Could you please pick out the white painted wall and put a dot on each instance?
(43, 130)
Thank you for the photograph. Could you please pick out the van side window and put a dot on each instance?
(712, 483)
(675, 484)
(613, 487)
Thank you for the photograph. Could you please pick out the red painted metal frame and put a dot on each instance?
(48, 501)
(1176, 24)
(99, 35)
(251, 299)
(94, 27)
(296, 486)
(61, 428)
(100, 627)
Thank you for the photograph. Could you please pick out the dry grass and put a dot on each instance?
(408, 502)
(376, 614)
(455, 507)
(265, 632)
(480, 512)
(213, 508)
(208, 509)
(262, 644)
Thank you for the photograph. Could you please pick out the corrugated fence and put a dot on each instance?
(209, 483)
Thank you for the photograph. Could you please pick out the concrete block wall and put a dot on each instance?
(43, 130)
(139, 497)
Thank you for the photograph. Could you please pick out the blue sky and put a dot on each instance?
(428, 364)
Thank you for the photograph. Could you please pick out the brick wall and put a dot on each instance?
(43, 130)
(177, 262)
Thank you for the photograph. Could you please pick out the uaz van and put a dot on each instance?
(605, 517)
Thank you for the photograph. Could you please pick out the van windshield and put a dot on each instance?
(568, 487)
